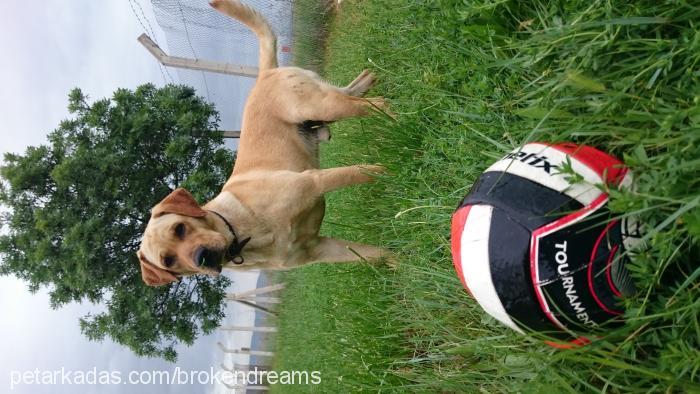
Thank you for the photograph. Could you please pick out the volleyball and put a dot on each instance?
(536, 246)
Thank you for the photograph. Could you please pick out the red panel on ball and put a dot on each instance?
(607, 166)
(458, 220)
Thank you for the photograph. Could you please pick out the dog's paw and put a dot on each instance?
(390, 259)
(374, 169)
(361, 84)
(380, 104)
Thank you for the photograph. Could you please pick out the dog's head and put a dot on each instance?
(180, 239)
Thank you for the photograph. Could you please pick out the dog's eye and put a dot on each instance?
(180, 231)
(168, 261)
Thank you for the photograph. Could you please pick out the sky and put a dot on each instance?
(46, 49)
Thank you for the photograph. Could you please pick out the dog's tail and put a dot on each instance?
(257, 23)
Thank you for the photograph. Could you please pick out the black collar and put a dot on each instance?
(234, 250)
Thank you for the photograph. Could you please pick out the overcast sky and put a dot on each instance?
(47, 48)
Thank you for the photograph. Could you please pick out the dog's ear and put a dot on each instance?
(180, 201)
(152, 275)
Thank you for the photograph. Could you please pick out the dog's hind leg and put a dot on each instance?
(331, 104)
(300, 95)
(357, 88)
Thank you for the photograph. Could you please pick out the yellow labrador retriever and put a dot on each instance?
(268, 213)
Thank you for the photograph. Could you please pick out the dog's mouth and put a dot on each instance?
(210, 259)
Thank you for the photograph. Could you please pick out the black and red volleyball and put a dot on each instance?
(535, 244)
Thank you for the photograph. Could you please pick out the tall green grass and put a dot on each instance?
(470, 81)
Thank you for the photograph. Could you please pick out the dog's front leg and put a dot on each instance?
(330, 179)
(332, 250)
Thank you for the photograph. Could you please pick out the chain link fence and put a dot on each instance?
(195, 30)
(192, 29)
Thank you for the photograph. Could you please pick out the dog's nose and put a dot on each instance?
(200, 257)
(204, 257)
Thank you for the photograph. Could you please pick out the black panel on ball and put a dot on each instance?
(527, 202)
(564, 263)
(509, 248)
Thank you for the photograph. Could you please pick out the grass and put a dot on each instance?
(470, 81)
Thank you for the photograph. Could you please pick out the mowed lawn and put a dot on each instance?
(470, 81)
